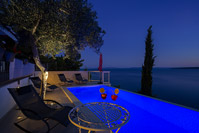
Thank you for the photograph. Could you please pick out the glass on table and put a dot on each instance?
(114, 95)
(103, 95)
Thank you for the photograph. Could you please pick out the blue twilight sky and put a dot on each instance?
(175, 32)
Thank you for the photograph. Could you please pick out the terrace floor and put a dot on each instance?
(7, 122)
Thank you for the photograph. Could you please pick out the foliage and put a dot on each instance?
(61, 64)
(86, 69)
(55, 25)
(146, 81)
(52, 26)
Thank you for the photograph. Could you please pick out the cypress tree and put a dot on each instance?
(146, 81)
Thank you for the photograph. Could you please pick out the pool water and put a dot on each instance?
(147, 115)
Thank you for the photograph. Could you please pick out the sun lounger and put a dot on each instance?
(79, 78)
(64, 80)
(34, 108)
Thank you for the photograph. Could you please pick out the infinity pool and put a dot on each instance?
(147, 115)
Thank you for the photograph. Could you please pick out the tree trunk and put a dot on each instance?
(39, 65)
(44, 77)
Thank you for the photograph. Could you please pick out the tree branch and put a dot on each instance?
(35, 27)
(62, 10)
(26, 29)
(39, 38)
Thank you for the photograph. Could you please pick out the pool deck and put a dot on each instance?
(7, 122)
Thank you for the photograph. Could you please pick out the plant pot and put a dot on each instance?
(10, 56)
(2, 51)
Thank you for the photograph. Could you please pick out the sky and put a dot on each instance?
(175, 26)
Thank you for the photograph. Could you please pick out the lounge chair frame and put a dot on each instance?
(37, 84)
(79, 78)
(62, 78)
(29, 111)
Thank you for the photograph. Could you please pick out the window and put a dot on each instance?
(4, 71)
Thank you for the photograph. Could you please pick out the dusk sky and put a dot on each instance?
(175, 32)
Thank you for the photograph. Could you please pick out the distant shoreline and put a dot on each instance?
(141, 68)
(185, 68)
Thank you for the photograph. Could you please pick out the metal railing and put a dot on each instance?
(14, 80)
(97, 76)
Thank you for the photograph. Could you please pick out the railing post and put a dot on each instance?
(103, 77)
(89, 76)
(109, 77)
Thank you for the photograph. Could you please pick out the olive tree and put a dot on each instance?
(51, 27)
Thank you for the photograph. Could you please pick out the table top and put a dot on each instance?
(99, 116)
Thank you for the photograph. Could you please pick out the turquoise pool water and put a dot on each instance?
(147, 115)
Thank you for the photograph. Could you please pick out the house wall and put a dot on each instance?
(54, 79)
(17, 69)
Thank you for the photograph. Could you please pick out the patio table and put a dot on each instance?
(99, 116)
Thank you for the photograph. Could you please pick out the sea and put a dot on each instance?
(176, 85)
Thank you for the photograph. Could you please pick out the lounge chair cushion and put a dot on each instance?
(22, 91)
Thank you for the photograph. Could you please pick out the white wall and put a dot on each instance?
(17, 69)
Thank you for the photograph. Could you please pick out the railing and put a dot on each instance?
(14, 80)
(97, 76)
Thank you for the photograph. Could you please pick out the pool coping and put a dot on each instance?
(72, 98)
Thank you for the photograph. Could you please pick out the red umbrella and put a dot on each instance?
(100, 63)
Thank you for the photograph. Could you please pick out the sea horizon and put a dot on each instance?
(174, 84)
(180, 67)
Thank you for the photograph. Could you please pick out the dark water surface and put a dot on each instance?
(175, 85)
